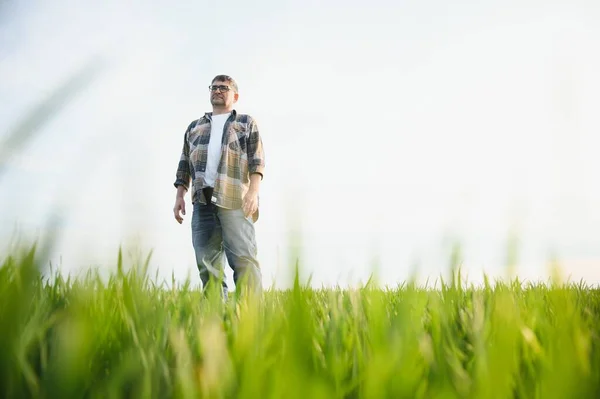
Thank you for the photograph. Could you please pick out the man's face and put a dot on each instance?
(222, 94)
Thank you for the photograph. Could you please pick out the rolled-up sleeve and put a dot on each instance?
(256, 152)
(183, 175)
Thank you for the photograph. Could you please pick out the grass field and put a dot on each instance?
(127, 337)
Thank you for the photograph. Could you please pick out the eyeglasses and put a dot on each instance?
(222, 88)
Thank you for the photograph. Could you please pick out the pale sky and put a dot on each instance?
(390, 128)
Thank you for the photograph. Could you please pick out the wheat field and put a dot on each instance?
(128, 337)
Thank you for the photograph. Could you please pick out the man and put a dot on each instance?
(224, 159)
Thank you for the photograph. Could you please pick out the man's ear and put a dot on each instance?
(235, 97)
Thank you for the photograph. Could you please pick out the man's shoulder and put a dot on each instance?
(196, 122)
(244, 118)
(247, 122)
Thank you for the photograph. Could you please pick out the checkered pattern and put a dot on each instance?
(242, 154)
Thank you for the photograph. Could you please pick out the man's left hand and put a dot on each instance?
(250, 203)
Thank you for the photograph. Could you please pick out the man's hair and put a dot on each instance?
(228, 79)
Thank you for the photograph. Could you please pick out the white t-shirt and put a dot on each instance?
(214, 148)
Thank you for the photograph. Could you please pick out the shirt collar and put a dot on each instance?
(208, 115)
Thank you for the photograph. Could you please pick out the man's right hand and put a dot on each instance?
(179, 207)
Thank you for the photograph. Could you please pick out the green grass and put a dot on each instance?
(128, 337)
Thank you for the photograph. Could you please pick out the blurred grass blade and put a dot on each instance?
(32, 123)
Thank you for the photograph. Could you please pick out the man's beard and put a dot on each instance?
(217, 101)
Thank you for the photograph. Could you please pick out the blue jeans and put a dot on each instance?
(219, 234)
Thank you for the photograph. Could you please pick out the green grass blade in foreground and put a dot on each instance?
(31, 124)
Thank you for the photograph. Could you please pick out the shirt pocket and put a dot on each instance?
(237, 141)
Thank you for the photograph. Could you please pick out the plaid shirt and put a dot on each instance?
(242, 154)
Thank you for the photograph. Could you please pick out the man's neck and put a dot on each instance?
(221, 111)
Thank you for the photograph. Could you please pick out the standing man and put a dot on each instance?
(224, 159)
